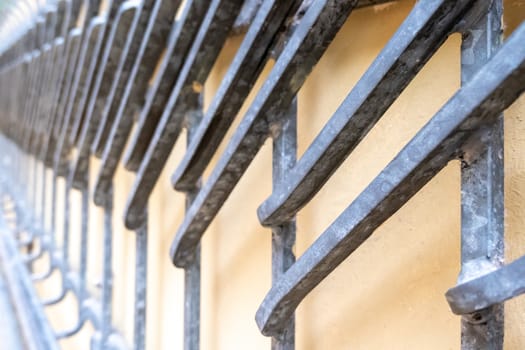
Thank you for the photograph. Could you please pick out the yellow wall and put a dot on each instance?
(390, 293)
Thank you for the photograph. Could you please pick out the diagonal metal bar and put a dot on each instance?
(66, 45)
(204, 50)
(239, 80)
(208, 43)
(90, 46)
(119, 46)
(83, 41)
(142, 62)
(119, 40)
(476, 104)
(72, 48)
(418, 38)
(179, 41)
(304, 48)
(94, 35)
(36, 116)
(35, 70)
(73, 44)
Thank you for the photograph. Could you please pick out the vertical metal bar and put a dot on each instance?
(107, 286)
(32, 204)
(482, 201)
(192, 300)
(283, 236)
(141, 273)
(53, 211)
(84, 238)
(63, 264)
(65, 229)
(192, 272)
(80, 291)
(34, 174)
(43, 203)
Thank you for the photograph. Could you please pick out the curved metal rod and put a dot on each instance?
(72, 331)
(88, 310)
(490, 289)
(55, 300)
(48, 272)
(65, 286)
(71, 286)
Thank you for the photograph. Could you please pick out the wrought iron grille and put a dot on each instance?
(80, 71)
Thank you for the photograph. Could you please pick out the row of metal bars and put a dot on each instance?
(72, 84)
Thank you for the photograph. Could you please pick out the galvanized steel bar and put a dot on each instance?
(179, 41)
(205, 49)
(141, 275)
(107, 281)
(82, 77)
(202, 53)
(192, 272)
(482, 202)
(139, 64)
(118, 41)
(310, 39)
(95, 33)
(283, 235)
(418, 38)
(241, 76)
(476, 104)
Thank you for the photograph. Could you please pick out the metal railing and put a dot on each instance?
(83, 70)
